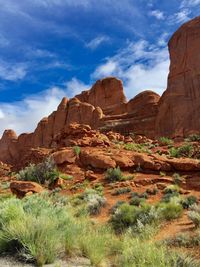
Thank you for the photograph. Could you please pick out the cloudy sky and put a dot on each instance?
(52, 48)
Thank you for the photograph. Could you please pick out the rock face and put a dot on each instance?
(179, 107)
(107, 94)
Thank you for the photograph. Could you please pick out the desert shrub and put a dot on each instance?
(170, 189)
(177, 178)
(90, 240)
(184, 240)
(93, 201)
(35, 226)
(184, 260)
(162, 174)
(136, 201)
(170, 210)
(116, 206)
(152, 191)
(185, 150)
(77, 150)
(189, 201)
(165, 141)
(136, 147)
(193, 138)
(113, 175)
(121, 191)
(40, 173)
(98, 188)
(140, 195)
(66, 177)
(138, 253)
(173, 152)
(138, 198)
(169, 196)
(170, 192)
(194, 214)
(128, 216)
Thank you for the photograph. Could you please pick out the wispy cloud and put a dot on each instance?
(74, 87)
(96, 42)
(157, 14)
(189, 3)
(12, 71)
(180, 17)
(141, 66)
(162, 40)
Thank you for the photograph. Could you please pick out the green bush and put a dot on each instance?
(152, 191)
(136, 201)
(136, 147)
(170, 189)
(177, 178)
(165, 141)
(193, 138)
(189, 201)
(77, 150)
(194, 215)
(184, 151)
(128, 216)
(121, 191)
(184, 240)
(138, 253)
(170, 210)
(40, 173)
(93, 201)
(33, 228)
(114, 175)
(170, 192)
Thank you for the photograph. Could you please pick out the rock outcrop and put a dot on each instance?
(179, 107)
(108, 94)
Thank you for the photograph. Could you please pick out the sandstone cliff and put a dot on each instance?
(179, 106)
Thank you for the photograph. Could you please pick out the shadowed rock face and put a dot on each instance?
(179, 107)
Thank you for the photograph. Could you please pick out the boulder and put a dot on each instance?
(64, 156)
(23, 188)
(122, 160)
(97, 159)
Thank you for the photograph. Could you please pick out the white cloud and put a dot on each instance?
(140, 65)
(189, 3)
(157, 14)
(106, 69)
(162, 40)
(23, 116)
(75, 87)
(180, 17)
(12, 71)
(96, 42)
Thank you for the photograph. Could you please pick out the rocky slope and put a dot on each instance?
(105, 107)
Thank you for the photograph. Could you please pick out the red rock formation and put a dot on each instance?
(138, 116)
(107, 94)
(179, 106)
(103, 107)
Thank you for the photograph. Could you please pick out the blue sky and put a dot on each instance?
(52, 48)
